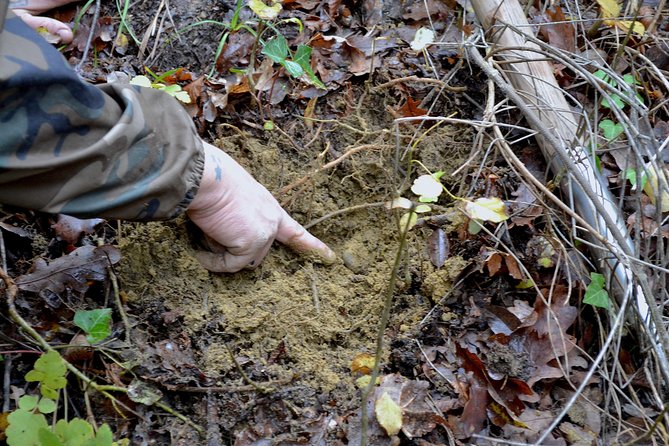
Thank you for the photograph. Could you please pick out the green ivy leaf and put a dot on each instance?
(276, 49)
(630, 175)
(595, 294)
(610, 129)
(292, 68)
(23, 429)
(95, 323)
(49, 371)
(303, 59)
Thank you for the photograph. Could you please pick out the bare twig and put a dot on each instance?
(330, 165)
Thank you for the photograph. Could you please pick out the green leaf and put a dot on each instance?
(74, 433)
(48, 438)
(617, 100)
(103, 437)
(610, 129)
(422, 208)
(23, 429)
(265, 11)
(474, 227)
(47, 405)
(388, 414)
(95, 323)
(600, 74)
(49, 371)
(302, 56)
(525, 284)
(630, 80)
(28, 402)
(630, 175)
(276, 49)
(292, 68)
(595, 294)
(303, 59)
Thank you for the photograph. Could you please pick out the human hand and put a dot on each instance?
(242, 218)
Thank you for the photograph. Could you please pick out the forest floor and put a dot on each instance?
(488, 336)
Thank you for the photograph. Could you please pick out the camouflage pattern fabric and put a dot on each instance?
(115, 151)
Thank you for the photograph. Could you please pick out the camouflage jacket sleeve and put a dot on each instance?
(115, 151)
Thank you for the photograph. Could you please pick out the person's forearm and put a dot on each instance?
(69, 147)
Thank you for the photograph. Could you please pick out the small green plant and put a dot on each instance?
(28, 425)
(173, 90)
(95, 323)
(611, 130)
(428, 188)
(622, 99)
(595, 294)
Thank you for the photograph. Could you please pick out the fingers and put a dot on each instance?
(293, 235)
(228, 262)
(55, 28)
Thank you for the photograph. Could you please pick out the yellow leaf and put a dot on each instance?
(408, 221)
(610, 8)
(388, 414)
(364, 380)
(183, 96)
(362, 363)
(121, 41)
(140, 80)
(486, 209)
(265, 11)
(626, 25)
(652, 187)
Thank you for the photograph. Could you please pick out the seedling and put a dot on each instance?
(428, 187)
(618, 100)
(611, 130)
(95, 323)
(28, 425)
(173, 90)
(595, 294)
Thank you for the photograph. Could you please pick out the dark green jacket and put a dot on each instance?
(66, 146)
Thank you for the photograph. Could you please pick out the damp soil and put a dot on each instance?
(291, 320)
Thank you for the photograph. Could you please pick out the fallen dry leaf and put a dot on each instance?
(411, 109)
(72, 271)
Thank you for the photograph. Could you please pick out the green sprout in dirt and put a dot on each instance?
(297, 64)
(28, 425)
(428, 188)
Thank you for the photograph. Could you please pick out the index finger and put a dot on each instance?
(293, 235)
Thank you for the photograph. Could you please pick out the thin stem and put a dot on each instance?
(383, 323)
